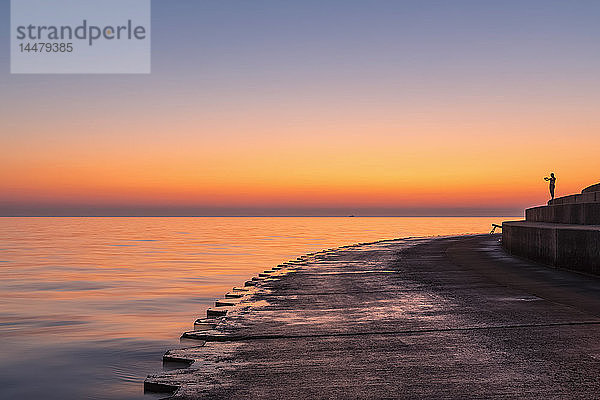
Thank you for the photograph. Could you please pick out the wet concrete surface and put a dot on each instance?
(423, 318)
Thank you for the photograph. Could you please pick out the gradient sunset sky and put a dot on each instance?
(315, 108)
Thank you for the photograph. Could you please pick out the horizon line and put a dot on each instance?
(256, 216)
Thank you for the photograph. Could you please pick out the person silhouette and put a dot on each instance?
(552, 180)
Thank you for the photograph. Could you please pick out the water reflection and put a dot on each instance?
(89, 305)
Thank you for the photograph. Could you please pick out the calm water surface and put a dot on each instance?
(89, 305)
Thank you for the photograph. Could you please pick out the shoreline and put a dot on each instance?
(367, 299)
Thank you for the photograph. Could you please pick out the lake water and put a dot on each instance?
(89, 305)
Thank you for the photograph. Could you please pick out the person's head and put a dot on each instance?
(552, 174)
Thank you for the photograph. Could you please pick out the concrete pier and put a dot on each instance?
(423, 318)
(564, 234)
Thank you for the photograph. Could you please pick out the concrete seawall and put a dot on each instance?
(445, 318)
(564, 234)
(563, 246)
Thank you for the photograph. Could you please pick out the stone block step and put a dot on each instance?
(592, 188)
(591, 197)
(575, 247)
(577, 213)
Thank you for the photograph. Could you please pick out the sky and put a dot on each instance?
(315, 108)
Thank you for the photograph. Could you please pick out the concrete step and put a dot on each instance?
(575, 247)
(588, 197)
(234, 295)
(226, 302)
(575, 213)
(592, 188)
(205, 323)
(217, 312)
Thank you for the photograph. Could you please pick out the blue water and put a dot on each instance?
(89, 305)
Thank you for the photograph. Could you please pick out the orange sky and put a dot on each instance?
(419, 109)
(403, 164)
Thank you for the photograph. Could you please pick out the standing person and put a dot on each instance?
(552, 180)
